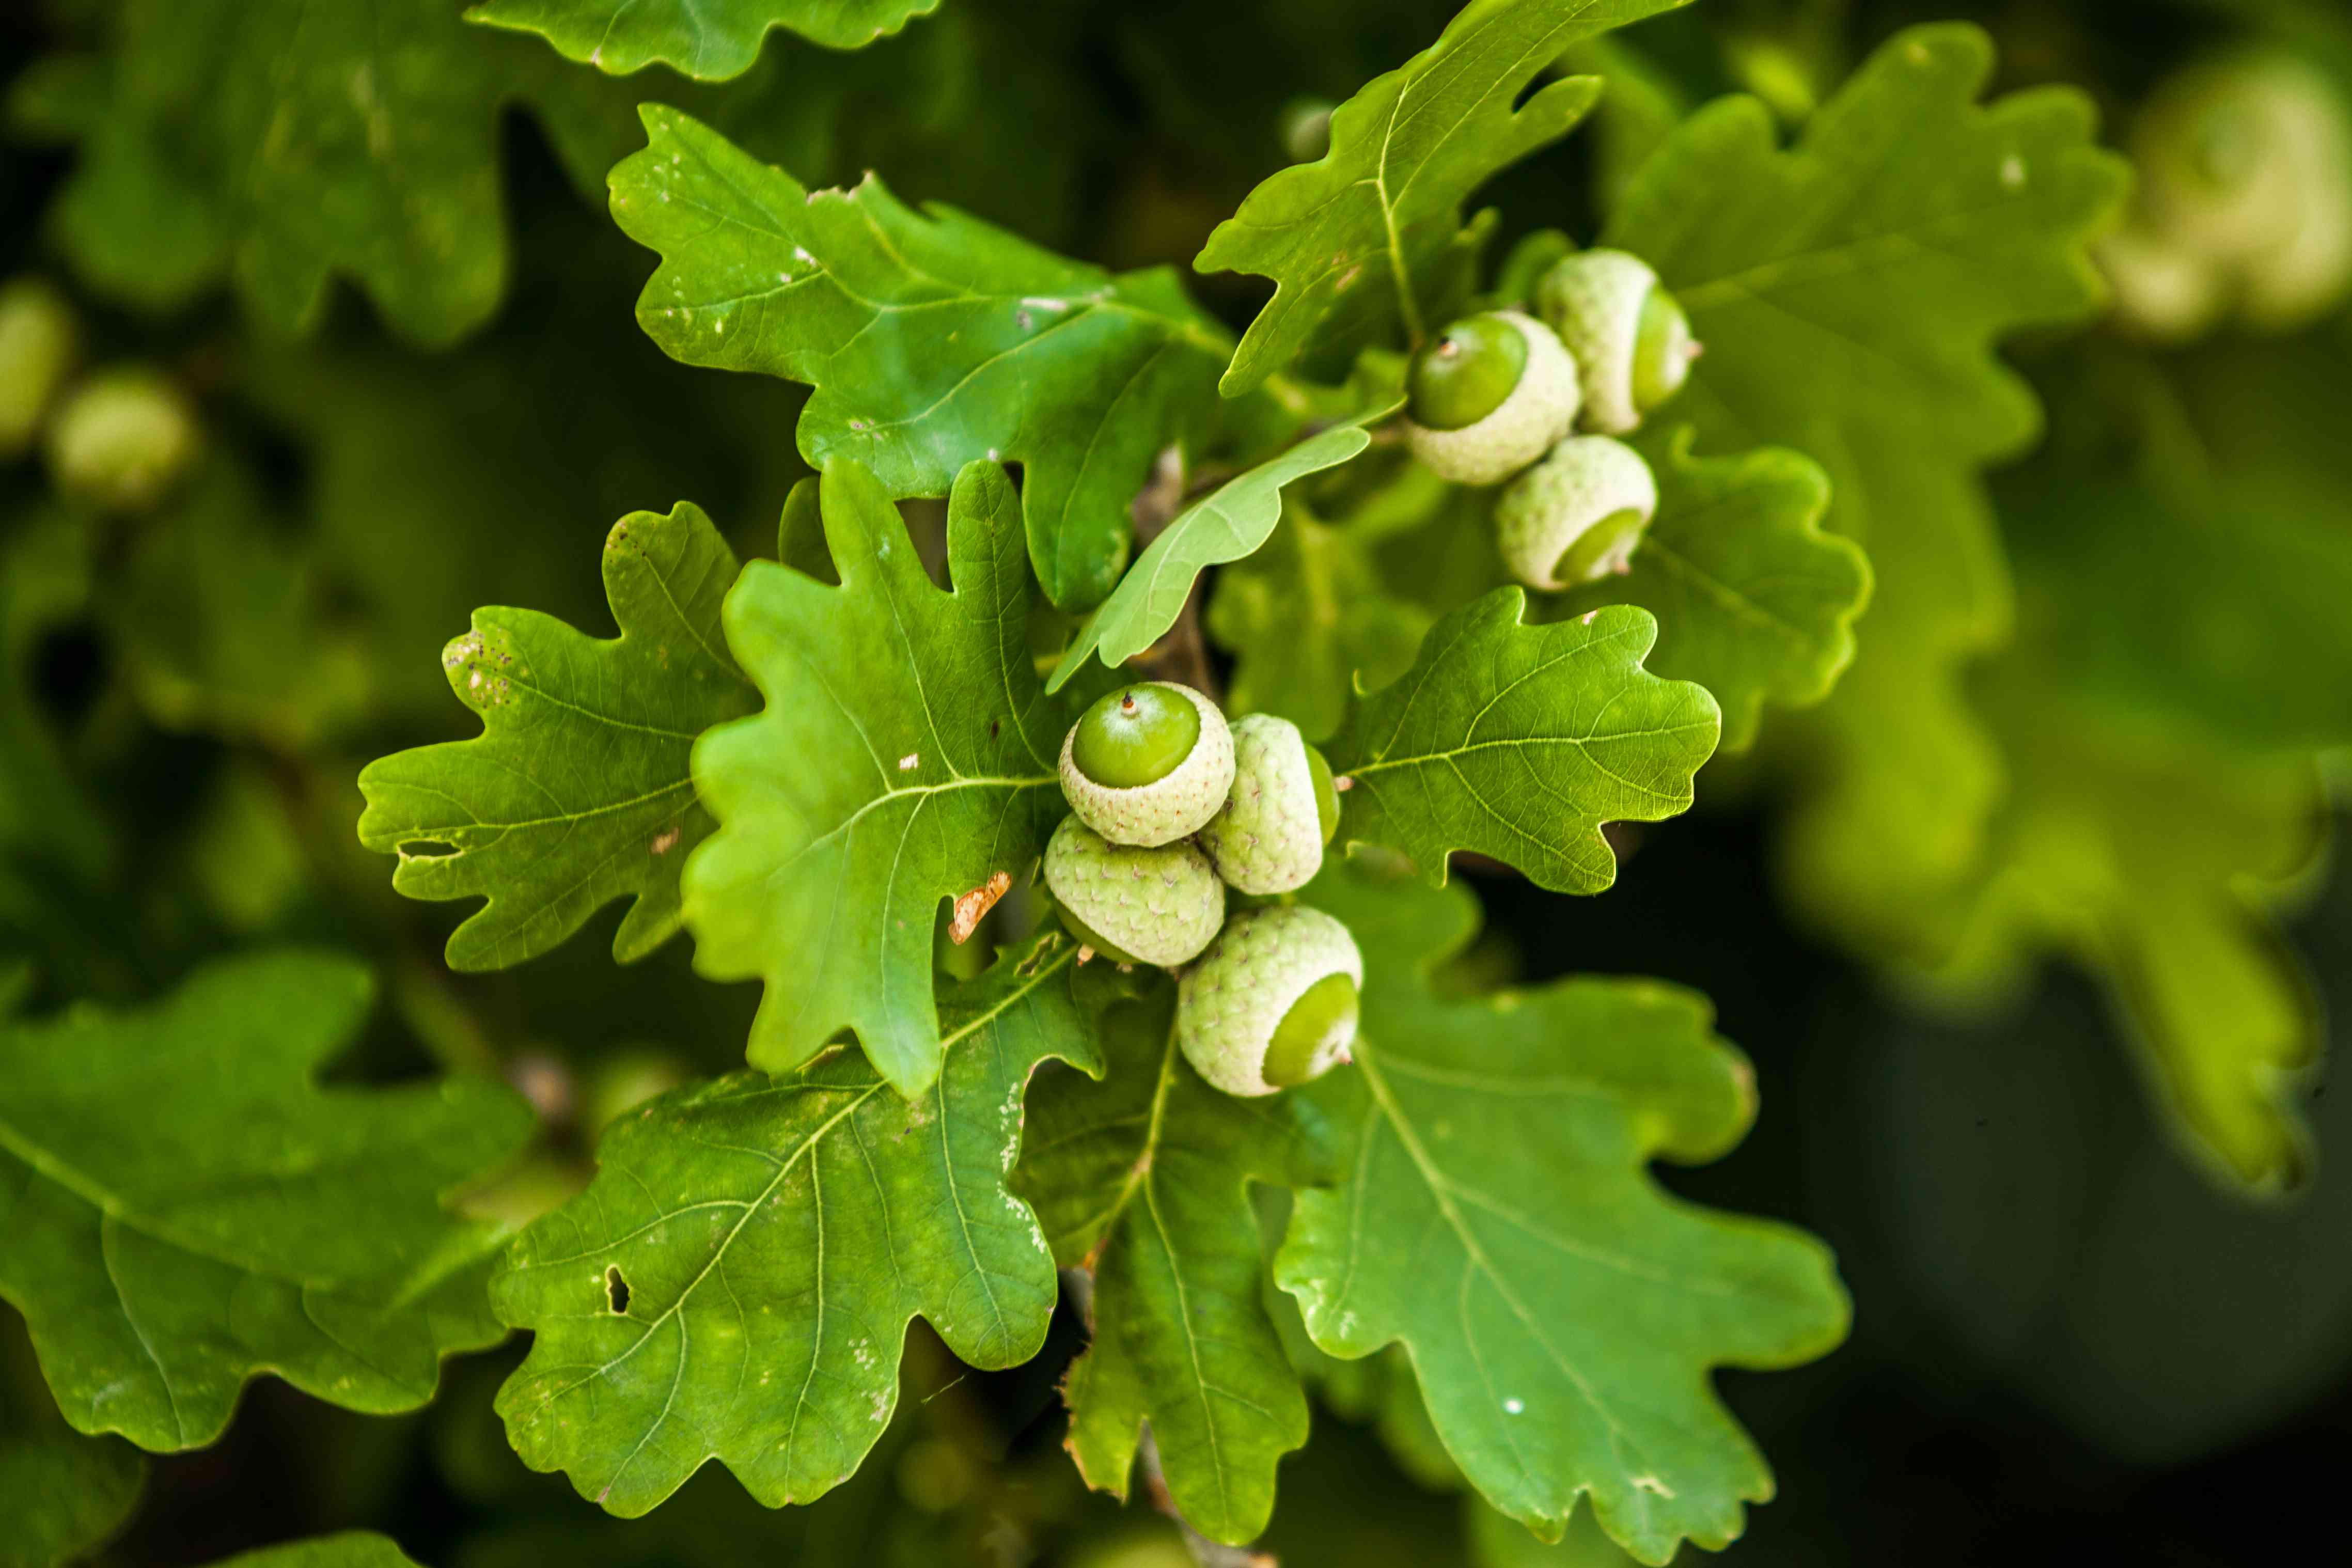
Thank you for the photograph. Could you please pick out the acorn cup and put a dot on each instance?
(1577, 516)
(1159, 906)
(1273, 1002)
(1283, 810)
(1147, 764)
(1631, 339)
(1487, 395)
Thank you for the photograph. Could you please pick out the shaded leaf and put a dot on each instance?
(701, 40)
(933, 339)
(1358, 242)
(1303, 617)
(1562, 1312)
(737, 1282)
(263, 1224)
(351, 1548)
(64, 1495)
(1848, 289)
(1753, 602)
(1518, 742)
(1228, 524)
(579, 789)
(905, 756)
(267, 140)
(1144, 1179)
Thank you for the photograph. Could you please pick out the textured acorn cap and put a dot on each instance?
(122, 440)
(2163, 289)
(1268, 838)
(1540, 409)
(1585, 482)
(1161, 905)
(1229, 1004)
(1167, 808)
(1593, 300)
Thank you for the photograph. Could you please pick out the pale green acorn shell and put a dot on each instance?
(1163, 905)
(1166, 809)
(1593, 300)
(122, 440)
(1268, 838)
(1545, 510)
(1540, 411)
(1229, 1004)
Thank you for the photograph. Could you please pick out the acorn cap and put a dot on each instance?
(1539, 410)
(1593, 300)
(1167, 808)
(39, 339)
(1230, 1004)
(1577, 516)
(1269, 837)
(1155, 906)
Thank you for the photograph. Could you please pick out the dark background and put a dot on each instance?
(2069, 1345)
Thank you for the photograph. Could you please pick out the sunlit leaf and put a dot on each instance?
(1562, 1312)
(905, 757)
(1358, 241)
(738, 1282)
(933, 339)
(1518, 742)
(1143, 1179)
(699, 37)
(579, 791)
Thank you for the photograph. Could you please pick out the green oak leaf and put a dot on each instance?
(1143, 1180)
(933, 339)
(351, 1549)
(1561, 1310)
(1307, 615)
(263, 1224)
(702, 40)
(580, 789)
(64, 1495)
(1850, 289)
(1753, 602)
(1228, 524)
(2152, 859)
(906, 755)
(737, 1282)
(1518, 742)
(284, 145)
(1358, 242)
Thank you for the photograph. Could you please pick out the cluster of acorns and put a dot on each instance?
(1500, 394)
(1171, 807)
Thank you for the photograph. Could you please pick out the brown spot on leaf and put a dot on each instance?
(971, 907)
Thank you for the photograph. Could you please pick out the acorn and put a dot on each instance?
(38, 339)
(1159, 906)
(1283, 810)
(1577, 516)
(1631, 339)
(1147, 764)
(1487, 395)
(122, 440)
(1272, 1003)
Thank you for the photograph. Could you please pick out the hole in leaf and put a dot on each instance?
(616, 1289)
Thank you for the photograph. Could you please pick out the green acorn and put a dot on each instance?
(2247, 163)
(1133, 906)
(1576, 516)
(1272, 1003)
(1284, 808)
(1487, 395)
(122, 440)
(1632, 341)
(38, 337)
(1147, 764)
